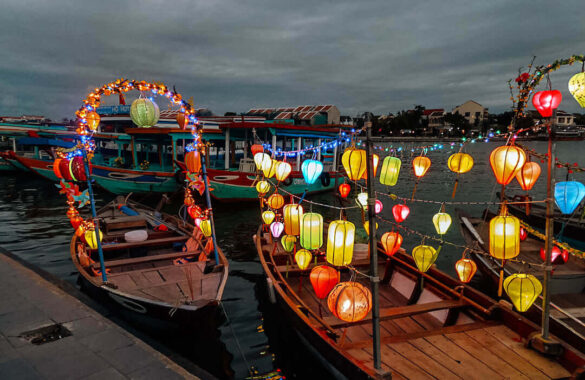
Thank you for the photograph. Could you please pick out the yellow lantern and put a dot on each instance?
(262, 161)
(504, 236)
(350, 301)
(421, 164)
(362, 200)
(91, 238)
(340, 238)
(312, 231)
(268, 216)
(275, 201)
(460, 163)
(424, 256)
(93, 120)
(375, 161)
(303, 258)
(465, 269)
(288, 242)
(283, 170)
(367, 227)
(442, 222)
(293, 213)
(390, 171)
(506, 161)
(577, 88)
(205, 227)
(523, 289)
(270, 170)
(262, 187)
(354, 163)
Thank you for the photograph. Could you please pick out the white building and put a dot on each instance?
(474, 112)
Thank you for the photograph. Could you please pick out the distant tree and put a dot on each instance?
(230, 114)
(458, 122)
(580, 118)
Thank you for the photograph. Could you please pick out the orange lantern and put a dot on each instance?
(93, 120)
(182, 120)
(323, 278)
(293, 213)
(528, 175)
(76, 221)
(421, 164)
(465, 269)
(391, 241)
(375, 161)
(344, 190)
(506, 161)
(256, 148)
(275, 201)
(193, 161)
(56, 168)
(350, 301)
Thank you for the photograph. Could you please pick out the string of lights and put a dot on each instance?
(405, 200)
(574, 167)
(305, 200)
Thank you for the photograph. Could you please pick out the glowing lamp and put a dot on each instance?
(390, 171)
(568, 195)
(424, 256)
(182, 121)
(64, 169)
(523, 234)
(523, 289)
(80, 231)
(56, 168)
(465, 269)
(269, 170)
(420, 165)
(263, 161)
(194, 211)
(506, 161)
(268, 216)
(311, 170)
(288, 242)
(77, 169)
(311, 231)
(577, 88)
(275, 201)
(276, 229)
(528, 175)
(91, 238)
(442, 222)
(256, 148)
(378, 206)
(350, 301)
(375, 161)
(323, 278)
(367, 227)
(205, 227)
(76, 221)
(193, 161)
(340, 238)
(391, 241)
(344, 190)
(144, 112)
(293, 213)
(283, 170)
(504, 236)
(362, 200)
(93, 120)
(197, 221)
(460, 163)
(546, 102)
(556, 255)
(400, 212)
(303, 258)
(354, 163)
(262, 187)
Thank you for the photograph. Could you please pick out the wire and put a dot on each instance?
(395, 197)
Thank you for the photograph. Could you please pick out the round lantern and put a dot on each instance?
(465, 269)
(528, 175)
(340, 238)
(424, 256)
(362, 200)
(523, 234)
(182, 121)
(303, 258)
(556, 255)
(400, 212)
(91, 238)
(205, 227)
(323, 278)
(276, 229)
(390, 171)
(144, 113)
(391, 241)
(354, 163)
(283, 170)
(504, 236)
(460, 163)
(420, 165)
(56, 168)
(442, 222)
(268, 216)
(193, 161)
(506, 161)
(93, 120)
(275, 201)
(293, 213)
(577, 88)
(375, 161)
(378, 206)
(546, 102)
(350, 301)
(194, 211)
(76, 221)
(523, 289)
(263, 161)
(256, 148)
(262, 187)
(367, 227)
(344, 190)
(311, 231)
(311, 170)
(269, 170)
(568, 195)
(77, 169)
(288, 242)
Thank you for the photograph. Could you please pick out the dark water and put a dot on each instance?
(33, 225)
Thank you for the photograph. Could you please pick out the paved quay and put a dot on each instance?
(96, 348)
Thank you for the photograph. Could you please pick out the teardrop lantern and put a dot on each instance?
(442, 222)
(523, 234)
(354, 163)
(144, 113)
(400, 212)
(256, 148)
(390, 171)
(523, 289)
(91, 238)
(367, 227)
(283, 170)
(350, 301)
(420, 165)
(193, 161)
(340, 239)
(268, 216)
(391, 241)
(311, 170)
(378, 207)
(504, 236)
(182, 120)
(275, 201)
(311, 231)
(288, 242)
(293, 213)
(262, 187)
(323, 278)
(465, 269)
(93, 120)
(276, 229)
(205, 227)
(557, 256)
(375, 162)
(362, 200)
(568, 195)
(303, 258)
(263, 161)
(577, 88)
(506, 161)
(269, 170)
(344, 190)
(528, 175)
(546, 102)
(424, 256)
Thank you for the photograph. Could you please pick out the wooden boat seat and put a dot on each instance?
(144, 259)
(146, 243)
(124, 222)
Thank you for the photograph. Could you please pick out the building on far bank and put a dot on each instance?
(473, 112)
(300, 115)
(24, 119)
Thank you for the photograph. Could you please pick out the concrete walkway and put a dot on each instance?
(96, 349)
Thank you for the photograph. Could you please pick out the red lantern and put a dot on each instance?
(256, 148)
(194, 211)
(344, 190)
(76, 221)
(523, 234)
(556, 256)
(547, 101)
(400, 212)
(391, 241)
(77, 169)
(323, 278)
(56, 168)
(182, 120)
(64, 169)
(350, 301)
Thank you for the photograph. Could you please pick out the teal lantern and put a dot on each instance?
(568, 195)
(144, 112)
(311, 170)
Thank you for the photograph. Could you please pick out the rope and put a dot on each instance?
(560, 244)
(395, 197)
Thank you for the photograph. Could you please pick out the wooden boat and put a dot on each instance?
(436, 328)
(160, 278)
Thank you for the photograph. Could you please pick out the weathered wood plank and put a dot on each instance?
(398, 364)
(366, 359)
(416, 356)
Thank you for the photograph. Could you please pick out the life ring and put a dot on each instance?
(180, 177)
(287, 182)
(325, 179)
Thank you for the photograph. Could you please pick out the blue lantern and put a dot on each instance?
(568, 195)
(311, 169)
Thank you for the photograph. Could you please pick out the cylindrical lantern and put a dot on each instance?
(311, 170)
(354, 163)
(528, 175)
(367, 227)
(523, 289)
(262, 187)
(506, 161)
(268, 216)
(303, 258)
(263, 161)
(93, 120)
(350, 301)
(275, 201)
(568, 195)
(276, 229)
(390, 171)
(283, 170)
(91, 238)
(311, 231)
(420, 165)
(460, 163)
(504, 236)
(391, 241)
(465, 269)
(442, 222)
(577, 88)
(269, 170)
(288, 242)
(400, 212)
(546, 102)
(375, 161)
(256, 148)
(340, 238)
(193, 161)
(64, 169)
(144, 112)
(323, 278)
(424, 256)
(293, 214)
(344, 190)
(205, 227)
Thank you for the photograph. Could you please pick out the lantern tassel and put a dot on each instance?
(414, 190)
(455, 188)
(501, 282)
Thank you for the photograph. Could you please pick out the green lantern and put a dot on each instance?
(144, 112)
(390, 171)
(288, 242)
(312, 231)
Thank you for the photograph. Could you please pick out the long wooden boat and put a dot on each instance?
(170, 277)
(431, 328)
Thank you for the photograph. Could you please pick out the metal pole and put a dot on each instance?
(208, 199)
(374, 279)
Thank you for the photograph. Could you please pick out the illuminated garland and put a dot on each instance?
(560, 244)
(574, 167)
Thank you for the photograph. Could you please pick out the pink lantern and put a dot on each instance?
(378, 207)
(276, 228)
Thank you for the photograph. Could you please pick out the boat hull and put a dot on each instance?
(124, 181)
(40, 167)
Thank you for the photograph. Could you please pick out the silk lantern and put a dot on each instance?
(420, 165)
(288, 242)
(193, 161)
(276, 229)
(523, 289)
(460, 163)
(354, 163)
(528, 175)
(465, 269)
(523, 234)
(311, 170)
(303, 258)
(269, 170)
(182, 120)
(144, 113)
(367, 227)
(556, 255)
(91, 238)
(424, 256)
(391, 241)
(568, 195)
(390, 171)
(283, 170)
(205, 227)
(256, 148)
(262, 187)
(506, 161)
(275, 201)
(375, 161)
(350, 301)
(577, 88)
(76, 221)
(400, 212)
(442, 222)
(77, 169)
(56, 168)
(293, 213)
(263, 161)
(92, 120)
(378, 207)
(268, 216)
(323, 278)
(194, 211)
(340, 239)
(64, 169)
(362, 200)
(311, 231)
(546, 102)
(344, 190)
(504, 236)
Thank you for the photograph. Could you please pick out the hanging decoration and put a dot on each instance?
(323, 278)
(420, 165)
(465, 269)
(303, 258)
(144, 113)
(269, 170)
(283, 170)
(523, 234)
(205, 227)
(350, 301)
(340, 239)
(293, 214)
(311, 235)
(362, 200)
(506, 161)
(288, 242)
(442, 222)
(577, 88)
(400, 212)
(523, 289)
(193, 161)
(311, 170)
(378, 206)
(391, 241)
(268, 216)
(375, 162)
(504, 236)
(91, 237)
(367, 227)
(275, 201)
(424, 256)
(344, 190)
(256, 148)
(182, 120)
(557, 256)
(276, 229)
(390, 171)
(459, 163)
(568, 195)
(194, 211)
(93, 121)
(528, 175)
(546, 102)
(262, 187)
(354, 163)
(263, 161)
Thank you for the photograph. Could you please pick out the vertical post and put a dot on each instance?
(174, 152)
(374, 280)
(134, 158)
(335, 153)
(319, 150)
(274, 145)
(245, 145)
(299, 147)
(226, 151)
(208, 200)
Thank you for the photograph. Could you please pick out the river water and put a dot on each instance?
(33, 225)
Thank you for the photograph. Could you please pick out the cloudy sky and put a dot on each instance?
(232, 55)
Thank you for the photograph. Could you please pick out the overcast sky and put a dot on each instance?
(233, 55)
